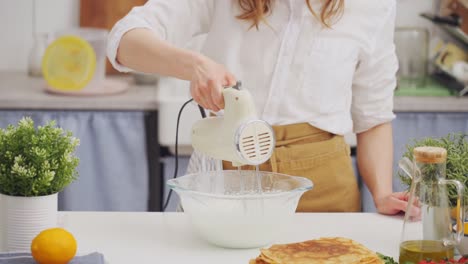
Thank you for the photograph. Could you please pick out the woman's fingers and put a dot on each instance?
(405, 197)
(206, 91)
(195, 93)
(216, 95)
(230, 79)
(401, 202)
(197, 96)
(209, 95)
(207, 83)
(201, 93)
(398, 202)
(401, 195)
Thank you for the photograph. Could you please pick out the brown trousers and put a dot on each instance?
(324, 158)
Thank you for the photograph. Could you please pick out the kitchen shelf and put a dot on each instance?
(456, 32)
(453, 30)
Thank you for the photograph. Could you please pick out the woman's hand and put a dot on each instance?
(207, 82)
(395, 203)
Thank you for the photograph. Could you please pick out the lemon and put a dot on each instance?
(53, 246)
(69, 63)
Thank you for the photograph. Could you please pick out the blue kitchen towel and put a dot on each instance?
(25, 258)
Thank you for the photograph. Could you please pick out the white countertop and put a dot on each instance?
(167, 237)
(19, 91)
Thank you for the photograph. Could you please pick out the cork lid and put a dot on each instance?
(430, 154)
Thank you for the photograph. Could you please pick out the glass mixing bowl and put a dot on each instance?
(227, 209)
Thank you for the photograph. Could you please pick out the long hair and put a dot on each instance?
(256, 10)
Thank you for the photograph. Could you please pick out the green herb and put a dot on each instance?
(36, 162)
(386, 259)
(457, 162)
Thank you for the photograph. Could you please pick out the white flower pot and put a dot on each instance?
(22, 218)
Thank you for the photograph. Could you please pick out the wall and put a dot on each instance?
(16, 24)
(17, 27)
(408, 13)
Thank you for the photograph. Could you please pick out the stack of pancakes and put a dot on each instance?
(324, 250)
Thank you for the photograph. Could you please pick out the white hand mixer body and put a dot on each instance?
(239, 136)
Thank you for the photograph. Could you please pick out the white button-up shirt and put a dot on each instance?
(339, 79)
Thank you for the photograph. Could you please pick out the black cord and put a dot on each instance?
(202, 112)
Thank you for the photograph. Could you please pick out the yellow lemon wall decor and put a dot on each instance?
(69, 63)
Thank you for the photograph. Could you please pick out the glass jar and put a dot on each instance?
(430, 234)
(40, 43)
(412, 52)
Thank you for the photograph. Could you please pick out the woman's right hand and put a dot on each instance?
(208, 80)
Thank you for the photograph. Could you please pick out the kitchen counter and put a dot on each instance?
(18, 91)
(430, 104)
(168, 238)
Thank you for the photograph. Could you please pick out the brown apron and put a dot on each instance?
(324, 158)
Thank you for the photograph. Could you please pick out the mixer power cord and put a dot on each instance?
(176, 169)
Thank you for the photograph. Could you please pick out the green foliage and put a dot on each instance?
(386, 259)
(36, 162)
(457, 160)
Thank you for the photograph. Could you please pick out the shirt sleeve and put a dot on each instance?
(176, 21)
(375, 79)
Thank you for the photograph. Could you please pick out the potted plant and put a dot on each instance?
(35, 165)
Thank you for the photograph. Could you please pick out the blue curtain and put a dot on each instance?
(113, 171)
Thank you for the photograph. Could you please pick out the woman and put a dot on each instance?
(317, 69)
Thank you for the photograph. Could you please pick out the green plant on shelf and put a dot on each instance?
(36, 161)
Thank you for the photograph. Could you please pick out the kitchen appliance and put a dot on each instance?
(238, 136)
(226, 208)
(430, 235)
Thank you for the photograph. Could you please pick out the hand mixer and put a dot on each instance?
(239, 136)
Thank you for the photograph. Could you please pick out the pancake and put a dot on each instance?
(329, 250)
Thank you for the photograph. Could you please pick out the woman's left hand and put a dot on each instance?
(395, 203)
